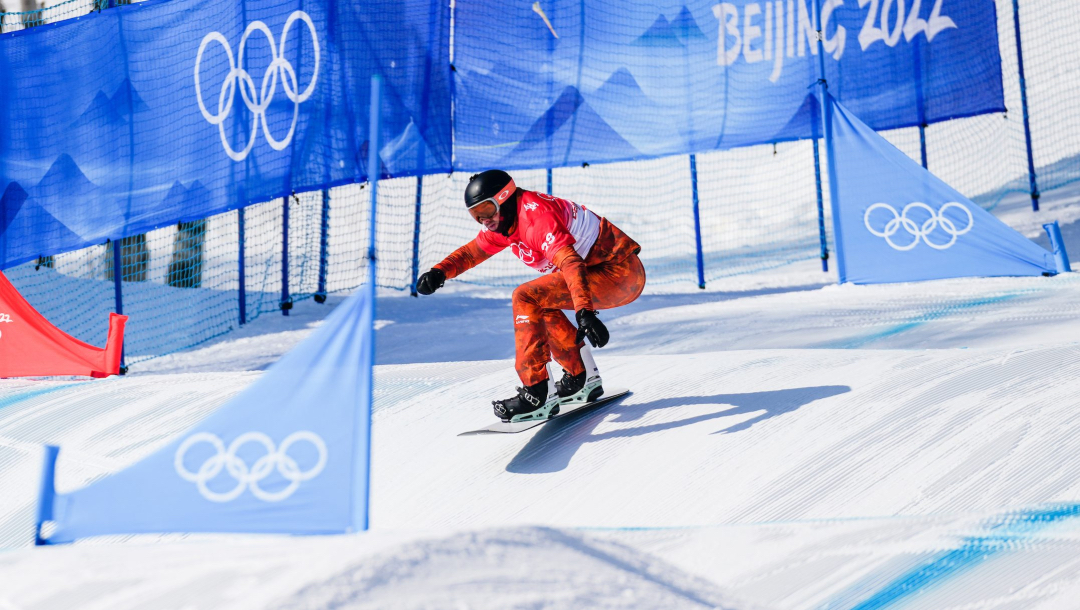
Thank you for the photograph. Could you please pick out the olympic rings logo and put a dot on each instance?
(919, 231)
(257, 101)
(274, 459)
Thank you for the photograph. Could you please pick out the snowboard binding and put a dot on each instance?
(534, 402)
(542, 400)
(582, 388)
(578, 389)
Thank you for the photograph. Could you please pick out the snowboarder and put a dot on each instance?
(589, 265)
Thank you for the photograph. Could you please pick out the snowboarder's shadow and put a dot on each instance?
(551, 449)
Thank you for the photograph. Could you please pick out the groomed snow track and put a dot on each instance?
(797, 478)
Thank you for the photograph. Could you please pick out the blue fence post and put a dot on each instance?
(1024, 104)
(46, 492)
(286, 301)
(820, 208)
(922, 144)
(920, 100)
(240, 268)
(1061, 257)
(118, 290)
(549, 186)
(373, 180)
(697, 223)
(118, 275)
(324, 245)
(826, 118)
(422, 129)
(416, 236)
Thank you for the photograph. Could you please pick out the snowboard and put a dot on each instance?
(521, 426)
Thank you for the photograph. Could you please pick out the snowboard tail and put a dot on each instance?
(521, 426)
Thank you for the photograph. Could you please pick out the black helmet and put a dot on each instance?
(492, 184)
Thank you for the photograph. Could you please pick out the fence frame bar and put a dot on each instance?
(416, 237)
(423, 156)
(118, 290)
(286, 302)
(373, 182)
(820, 208)
(922, 145)
(1024, 104)
(920, 100)
(697, 223)
(826, 119)
(324, 246)
(118, 275)
(241, 264)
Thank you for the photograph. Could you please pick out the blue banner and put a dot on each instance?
(140, 116)
(562, 82)
(896, 222)
(287, 455)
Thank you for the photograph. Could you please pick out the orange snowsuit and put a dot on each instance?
(611, 275)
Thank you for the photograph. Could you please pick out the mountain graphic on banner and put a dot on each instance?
(11, 201)
(686, 27)
(100, 114)
(633, 114)
(126, 100)
(896, 222)
(807, 119)
(100, 135)
(191, 197)
(578, 133)
(660, 34)
(68, 196)
(64, 180)
(621, 85)
(22, 216)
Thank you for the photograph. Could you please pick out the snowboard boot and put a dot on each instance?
(576, 389)
(584, 387)
(531, 403)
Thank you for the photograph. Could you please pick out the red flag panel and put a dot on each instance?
(31, 346)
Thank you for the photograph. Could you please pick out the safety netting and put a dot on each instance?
(67, 9)
(757, 209)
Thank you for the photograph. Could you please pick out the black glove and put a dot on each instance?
(590, 326)
(430, 281)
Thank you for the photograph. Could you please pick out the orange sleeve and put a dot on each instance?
(463, 259)
(573, 269)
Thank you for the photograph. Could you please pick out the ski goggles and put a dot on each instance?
(489, 208)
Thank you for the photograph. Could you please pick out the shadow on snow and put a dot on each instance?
(553, 446)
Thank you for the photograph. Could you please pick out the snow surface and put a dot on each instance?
(789, 443)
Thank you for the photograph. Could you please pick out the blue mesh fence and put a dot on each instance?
(759, 209)
(758, 213)
(1050, 50)
(13, 21)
